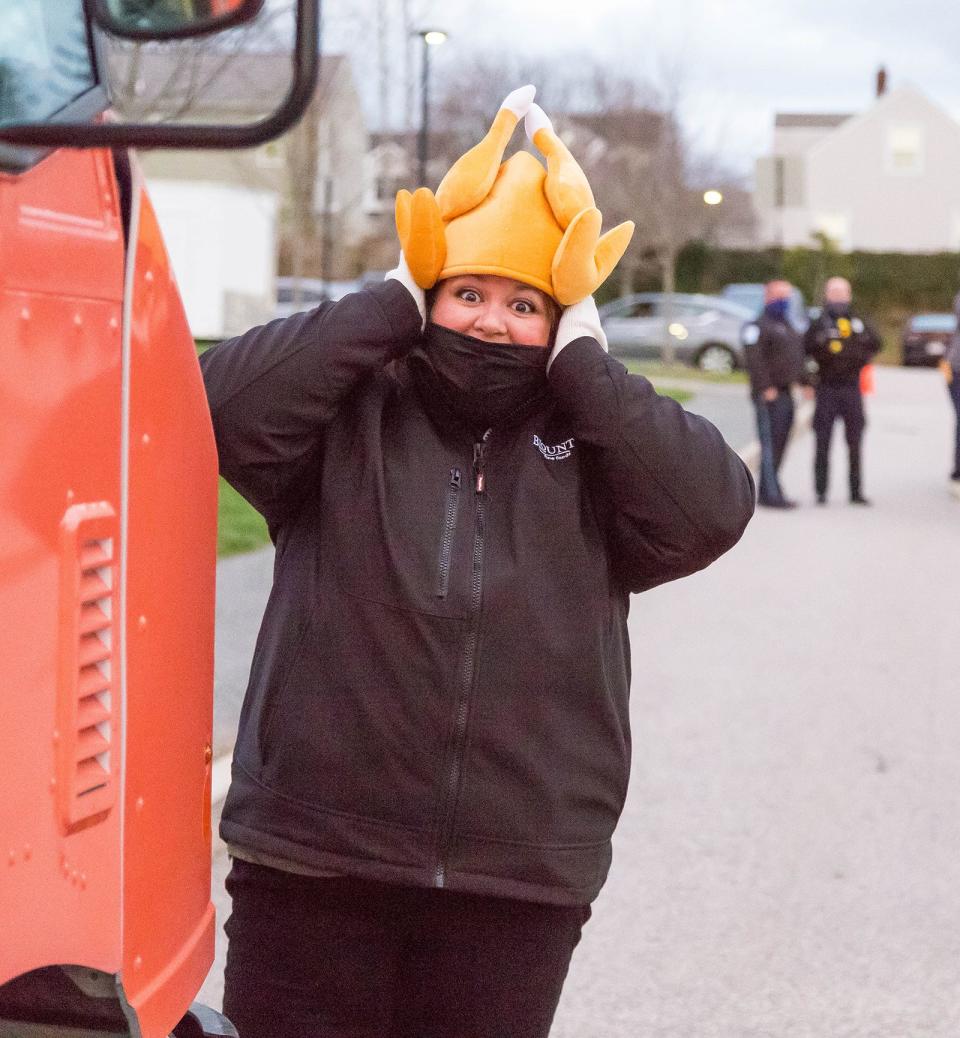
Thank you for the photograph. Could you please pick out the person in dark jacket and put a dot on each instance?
(950, 366)
(841, 343)
(774, 355)
(434, 746)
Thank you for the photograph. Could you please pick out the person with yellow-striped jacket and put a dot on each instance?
(841, 343)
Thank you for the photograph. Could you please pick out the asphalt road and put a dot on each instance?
(789, 860)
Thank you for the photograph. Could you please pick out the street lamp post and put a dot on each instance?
(712, 199)
(431, 38)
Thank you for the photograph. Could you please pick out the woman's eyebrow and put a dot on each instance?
(529, 290)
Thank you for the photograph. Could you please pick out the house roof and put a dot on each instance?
(811, 120)
(878, 110)
(408, 139)
(638, 126)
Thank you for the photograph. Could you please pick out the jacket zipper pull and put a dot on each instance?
(454, 479)
(478, 449)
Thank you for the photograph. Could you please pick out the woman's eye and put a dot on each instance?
(523, 307)
(469, 296)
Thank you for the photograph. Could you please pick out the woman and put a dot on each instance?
(434, 747)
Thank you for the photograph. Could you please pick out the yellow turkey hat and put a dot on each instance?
(515, 219)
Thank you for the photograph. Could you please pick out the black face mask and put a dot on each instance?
(836, 310)
(483, 383)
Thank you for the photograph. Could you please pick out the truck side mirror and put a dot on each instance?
(170, 19)
(79, 125)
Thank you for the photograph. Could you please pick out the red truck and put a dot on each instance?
(107, 539)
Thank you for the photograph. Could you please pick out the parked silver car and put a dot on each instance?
(297, 294)
(703, 330)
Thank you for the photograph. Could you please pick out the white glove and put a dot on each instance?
(401, 273)
(575, 322)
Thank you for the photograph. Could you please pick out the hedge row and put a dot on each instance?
(883, 282)
(886, 284)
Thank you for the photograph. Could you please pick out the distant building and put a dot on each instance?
(235, 219)
(389, 165)
(882, 180)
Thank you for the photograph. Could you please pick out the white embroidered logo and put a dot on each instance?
(555, 453)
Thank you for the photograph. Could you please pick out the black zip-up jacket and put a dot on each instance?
(841, 346)
(774, 353)
(439, 692)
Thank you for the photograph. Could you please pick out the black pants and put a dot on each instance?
(774, 422)
(954, 390)
(318, 958)
(838, 401)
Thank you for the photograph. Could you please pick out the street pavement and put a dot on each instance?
(243, 585)
(788, 863)
(727, 405)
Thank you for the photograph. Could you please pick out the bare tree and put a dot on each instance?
(625, 131)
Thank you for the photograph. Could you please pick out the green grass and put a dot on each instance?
(680, 395)
(654, 370)
(240, 527)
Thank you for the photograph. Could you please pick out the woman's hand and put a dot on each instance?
(579, 320)
(401, 273)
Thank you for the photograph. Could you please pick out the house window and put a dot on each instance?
(387, 188)
(905, 150)
(779, 182)
(326, 195)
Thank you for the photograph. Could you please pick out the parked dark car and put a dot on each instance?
(925, 338)
(701, 330)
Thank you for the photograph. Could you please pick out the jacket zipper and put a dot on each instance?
(469, 667)
(449, 525)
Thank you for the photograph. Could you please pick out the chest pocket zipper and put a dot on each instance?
(449, 525)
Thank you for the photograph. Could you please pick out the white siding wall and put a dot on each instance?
(889, 208)
(223, 248)
(861, 187)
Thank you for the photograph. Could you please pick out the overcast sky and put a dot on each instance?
(741, 60)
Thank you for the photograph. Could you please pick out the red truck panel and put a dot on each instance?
(61, 273)
(168, 918)
(106, 595)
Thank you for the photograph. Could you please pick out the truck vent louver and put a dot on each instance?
(87, 752)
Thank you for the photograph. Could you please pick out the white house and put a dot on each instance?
(223, 249)
(883, 180)
(228, 215)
